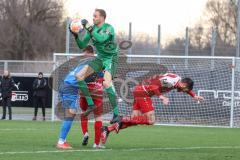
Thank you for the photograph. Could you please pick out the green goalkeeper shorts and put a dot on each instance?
(109, 65)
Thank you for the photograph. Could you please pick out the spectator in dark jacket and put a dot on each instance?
(6, 86)
(39, 95)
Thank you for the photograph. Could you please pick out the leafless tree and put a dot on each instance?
(30, 29)
(222, 14)
(219, 14)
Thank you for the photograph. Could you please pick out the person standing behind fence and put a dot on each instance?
(39, 95)
(6, 86)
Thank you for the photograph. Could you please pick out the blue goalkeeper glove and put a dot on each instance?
(87, 26)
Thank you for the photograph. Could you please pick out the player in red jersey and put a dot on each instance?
(95, 87)
(143, 109)
(96, 92)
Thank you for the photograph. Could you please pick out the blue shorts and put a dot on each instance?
(69, 96)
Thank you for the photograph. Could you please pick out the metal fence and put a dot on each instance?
(155, 45)
(26, 68)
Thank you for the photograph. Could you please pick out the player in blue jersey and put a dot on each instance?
(68, 94)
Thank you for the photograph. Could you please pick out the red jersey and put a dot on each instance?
(95, 88)
(96, 92)
(158, 85)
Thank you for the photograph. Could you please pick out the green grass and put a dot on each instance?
(21, 140)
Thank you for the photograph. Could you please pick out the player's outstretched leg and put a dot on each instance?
(145, 119)
(110, 90)
(85, 72)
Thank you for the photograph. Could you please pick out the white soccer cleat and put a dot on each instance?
(98, 146)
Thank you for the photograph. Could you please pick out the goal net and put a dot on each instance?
(217, 79)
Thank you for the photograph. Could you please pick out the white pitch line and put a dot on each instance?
(124, 150)
(32, 129)
(23, 129)
(182, 148)
(58, 151)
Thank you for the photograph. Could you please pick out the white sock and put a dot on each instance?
(61, 141)
(86, 134)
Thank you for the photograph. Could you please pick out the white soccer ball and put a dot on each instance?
(76, 25)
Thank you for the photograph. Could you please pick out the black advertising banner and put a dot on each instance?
(22, 95)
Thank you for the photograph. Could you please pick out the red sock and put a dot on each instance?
(111, 127)
(125, 125)
(84, 124)
(126, 122)
(130, 121)
(135, 120)
(140, 120)
(97, 127)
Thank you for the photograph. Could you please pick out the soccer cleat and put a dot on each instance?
(89, 110)
(117, 126)
(104, 134)
(85, 140)
(65, 145)
(95, 146)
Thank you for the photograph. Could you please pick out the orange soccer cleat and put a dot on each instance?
(65, 145)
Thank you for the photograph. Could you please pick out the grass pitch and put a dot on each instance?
(21, 140)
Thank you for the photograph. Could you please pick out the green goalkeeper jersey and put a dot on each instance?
(103, 38)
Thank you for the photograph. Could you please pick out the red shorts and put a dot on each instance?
(98, 103)
(96, 92)
(142, 100)
(143, 104)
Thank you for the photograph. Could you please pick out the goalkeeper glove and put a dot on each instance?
(73, 33)
(87, 25)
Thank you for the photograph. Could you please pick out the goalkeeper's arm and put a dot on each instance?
(83, 42)
(103, 36)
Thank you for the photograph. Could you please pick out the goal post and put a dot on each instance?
(215, 78)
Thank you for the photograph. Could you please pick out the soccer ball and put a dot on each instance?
(76, 25)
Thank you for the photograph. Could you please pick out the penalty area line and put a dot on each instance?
(124, 150)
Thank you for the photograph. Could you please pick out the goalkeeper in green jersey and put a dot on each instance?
(103, 38)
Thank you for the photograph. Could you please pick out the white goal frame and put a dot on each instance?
(234, 63)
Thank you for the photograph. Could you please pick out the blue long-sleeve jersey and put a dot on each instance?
(71, 79)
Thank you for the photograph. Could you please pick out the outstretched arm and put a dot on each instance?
(195, 97)
(164, 99)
